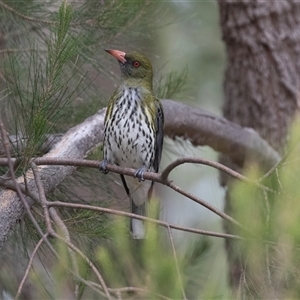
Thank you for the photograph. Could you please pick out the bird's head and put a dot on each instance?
(134, 66)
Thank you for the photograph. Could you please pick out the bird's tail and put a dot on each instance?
(137, 227)
(139, 193)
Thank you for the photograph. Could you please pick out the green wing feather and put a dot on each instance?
(159, 138)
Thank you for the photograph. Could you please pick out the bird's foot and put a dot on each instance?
(103, 166)
(139, 174)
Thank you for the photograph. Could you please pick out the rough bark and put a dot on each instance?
(76, 143)
(262, 78)
(205, 129)
(183, 121)
(263, 74)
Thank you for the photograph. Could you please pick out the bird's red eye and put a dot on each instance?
(136, 64)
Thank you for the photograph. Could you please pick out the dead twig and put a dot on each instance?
(35, 250)
(158, 178)
(130, 215)
(15, 183)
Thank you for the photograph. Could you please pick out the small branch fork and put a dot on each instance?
(157, 177)
(60, 231)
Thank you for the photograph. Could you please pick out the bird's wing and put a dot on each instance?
(159, 137)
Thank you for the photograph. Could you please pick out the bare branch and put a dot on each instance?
(148, 176)
(89, 22)
(205, 129)
(76, 143)
(207, 205)
(10, 50)
(130, 215)
(23, 202)
(195, 160)
(35, 250)
(56, 219)
(181, 121)
(161, 178)
(12, 10)
(156, 177)
(51, 212)
(88, 261)
(66, 236)
(42, 197)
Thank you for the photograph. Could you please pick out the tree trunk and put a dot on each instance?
(262, 78)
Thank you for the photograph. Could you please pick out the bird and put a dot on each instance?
(134, 132)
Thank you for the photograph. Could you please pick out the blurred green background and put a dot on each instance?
(189, 36)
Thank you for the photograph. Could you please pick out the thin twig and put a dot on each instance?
(161, 178)
(89, 22)
(14, 50)
(176, 262)
(130, 215)
(88, 261)
(127, 171)
(36, 248)
(195, 160)
(15, 182)
(9, 185)
(64, 230)
(182, 160)
(42, 197)
(55, 235)
(12, 10)
(205, 204)
(280, 162)
(51, 212)
(147, 175)
(130, 172)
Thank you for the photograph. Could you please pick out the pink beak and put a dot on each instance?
(119, 55)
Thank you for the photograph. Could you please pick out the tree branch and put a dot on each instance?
(76, 143)
(29, 265)
(202, 129)
(27, 18)
(131, 215)
(183, 121)
(157, 177)
(205, 129)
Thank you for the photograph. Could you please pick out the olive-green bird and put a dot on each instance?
(133, 134)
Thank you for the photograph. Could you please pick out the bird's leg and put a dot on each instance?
(103, 166)
(139, 174)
